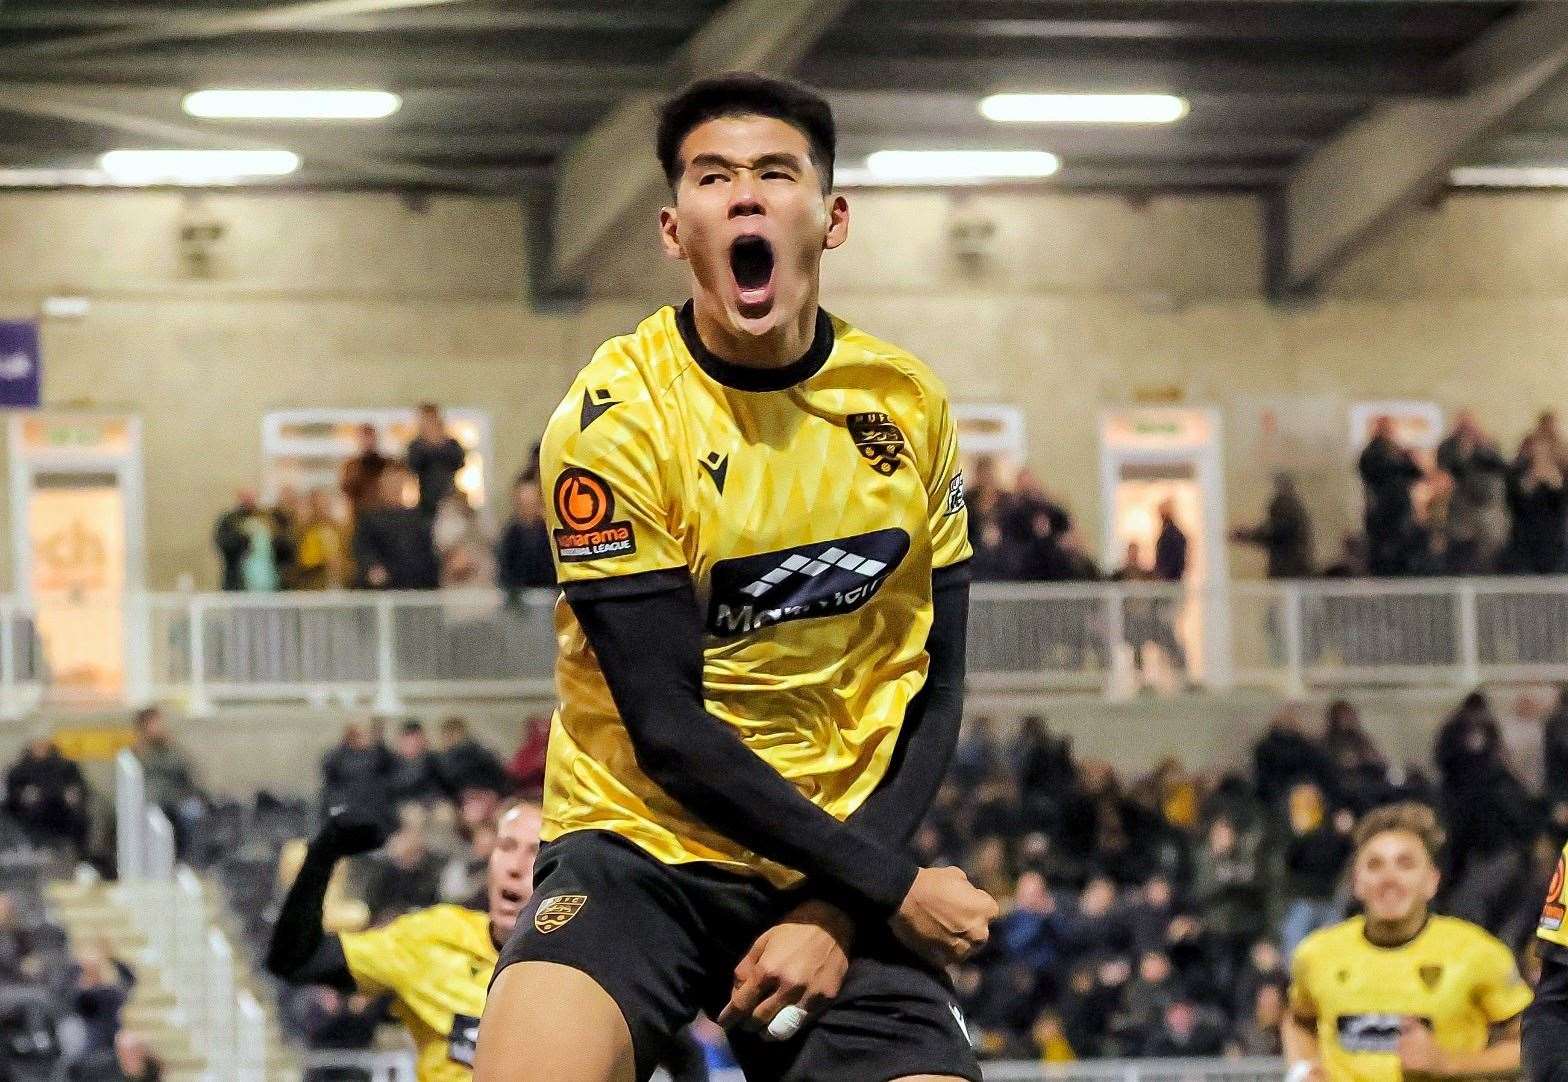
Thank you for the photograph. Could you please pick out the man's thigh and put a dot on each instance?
(630, 924)
(895, 1020)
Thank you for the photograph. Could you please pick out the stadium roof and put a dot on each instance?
(525, 95)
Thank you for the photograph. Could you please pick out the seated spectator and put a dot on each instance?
(523, 553)
(526, 767)
(1033, 933)
(337, 1021)
(1316, 855)
(1185, 1030)
(1265, 966)
(463, 880)
(47, 796)
(465, 764)
(978, 754)
(1153, 989)
(1050, 1039)
(321, 557)
(393, 547)
(18, 962)
(1259, 1032)
(169, 775)
(1228, 892)
(356, 771)
(1148, 914)
(254, 544)
(101, 985)
(414, 776)
(1285, 756)
(404, 876)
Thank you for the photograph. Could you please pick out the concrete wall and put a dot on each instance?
(1086, 301)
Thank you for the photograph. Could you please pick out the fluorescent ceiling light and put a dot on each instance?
(292, 104)
(960, 165)
(196, 166)
(1509, 176)
(64, 177)
(1084, 108)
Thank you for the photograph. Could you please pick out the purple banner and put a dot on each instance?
(21, 364)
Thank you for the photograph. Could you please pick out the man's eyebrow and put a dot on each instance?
(776, 158)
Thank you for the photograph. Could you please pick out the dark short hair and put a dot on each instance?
(744, 93)
(411, 727)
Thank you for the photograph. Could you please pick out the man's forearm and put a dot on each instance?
(650, 652)
(1300, 1041)
(300, 951)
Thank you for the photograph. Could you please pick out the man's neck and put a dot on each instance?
(786, 343)
(1396, 933)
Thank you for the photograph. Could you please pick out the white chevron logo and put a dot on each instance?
(833, 557)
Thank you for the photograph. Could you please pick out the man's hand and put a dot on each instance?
(800, 961)
(350, 831)
(944, 918)
(1418, 1050)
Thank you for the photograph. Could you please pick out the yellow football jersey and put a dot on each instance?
(436, 963)
(1552, 927)
(1453, 977)
(809, 506)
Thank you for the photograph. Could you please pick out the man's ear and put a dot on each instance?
(838, 223)
(670, 233)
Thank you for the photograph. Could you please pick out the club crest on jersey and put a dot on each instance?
(955, 495)
(555, 912)
(878, 440)
(1430, 976)
(586, 507)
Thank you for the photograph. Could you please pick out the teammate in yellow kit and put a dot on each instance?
(1400, 991)
(759, 527)
(435, 963)
(1546, 1022)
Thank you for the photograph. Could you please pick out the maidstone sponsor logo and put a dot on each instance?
(828, 578)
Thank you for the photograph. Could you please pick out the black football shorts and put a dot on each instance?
(663, 940)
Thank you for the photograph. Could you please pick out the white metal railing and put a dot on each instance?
(387, 648)
(165, 902)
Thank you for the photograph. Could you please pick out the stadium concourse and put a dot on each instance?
(1233, 330)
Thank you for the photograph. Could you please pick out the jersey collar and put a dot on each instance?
(746, 378)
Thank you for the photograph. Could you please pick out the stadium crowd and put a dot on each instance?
(393, 524)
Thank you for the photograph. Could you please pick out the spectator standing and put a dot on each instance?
(1538, 541)
(526, 767)
(1260, 1030)
(393, 546)
(101, 986)
(1477, 521)
(360, 479)
(1186, 1030)
(321, 559)
(404, 876)
(1316, 855)
(47, 796)
(1286, 755)
(254, 545)
(1554, 754)
(434, 458)
(1389, 474)
(466, 556)
(523, 553)
(18, 962)
(1285, 533)
(1228, 891)
(1170, 565)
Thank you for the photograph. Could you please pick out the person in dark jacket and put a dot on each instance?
(415, 776)
(1477, 521)
(1170, 565)
(393, 546)
(47, 796)
(1554, 737)
(255, 544)
(434, 458)
(1285, 756)
(523, 552)
(1538, 541)
(1389, 474)
(1285, 533)
(466, 764)
(355, 772)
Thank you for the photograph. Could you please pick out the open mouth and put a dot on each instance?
(751, 262)
(511, 897)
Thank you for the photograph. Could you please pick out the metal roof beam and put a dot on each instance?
(1401, 151)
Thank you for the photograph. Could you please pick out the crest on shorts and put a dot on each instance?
(1430, 975)
(878, 439)
(555, 912)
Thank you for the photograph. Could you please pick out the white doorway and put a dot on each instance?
(78, 551)
(1149, 457)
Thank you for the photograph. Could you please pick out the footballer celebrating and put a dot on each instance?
(1546, 1022)
(1399, 991)
(760, 533)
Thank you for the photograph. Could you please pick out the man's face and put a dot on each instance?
(411, 745)
(751, 219)
(1394, 878)
(512, 866)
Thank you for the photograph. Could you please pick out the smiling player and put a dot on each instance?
(1400, 991)
(759, 528)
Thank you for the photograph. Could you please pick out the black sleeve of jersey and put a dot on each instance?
(300, 951)
(1546, 1020)
(930, 730)
(649, 647)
